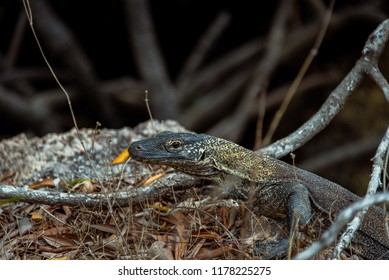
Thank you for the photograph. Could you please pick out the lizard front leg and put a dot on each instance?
(288, 200)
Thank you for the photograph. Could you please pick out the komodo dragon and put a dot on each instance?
(279, 187)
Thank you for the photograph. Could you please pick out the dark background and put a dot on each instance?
(91, 48)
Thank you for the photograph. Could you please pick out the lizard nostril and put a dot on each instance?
(138, 148)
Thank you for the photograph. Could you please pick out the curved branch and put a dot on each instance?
(330, 235)
(359, 209)
(331, 107)
(149, 59)
(377, 76)
(201, 50)
(374, 183)
(366, 65)
(123, 198)
(335, 102)
(232, 126)
(61, 42)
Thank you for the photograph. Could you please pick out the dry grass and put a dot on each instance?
(193, 223)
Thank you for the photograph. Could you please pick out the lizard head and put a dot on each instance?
(203, 156)
(186, 152)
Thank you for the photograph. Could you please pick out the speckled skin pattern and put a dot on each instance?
(279, 190)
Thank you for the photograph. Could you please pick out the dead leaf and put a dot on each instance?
(179, 247)
(153, 178)
(84, 185)
(159, 251)
(207, 235)
(148, 223)
(24, 225)
(64, 258)
(194, 251)
(57, 241)
(180, 230)
(105, 228)
(61, 218)
(55, 231)
(47, 182)
(68, 211)
(8, 174)
(36, 217)
(207, 254)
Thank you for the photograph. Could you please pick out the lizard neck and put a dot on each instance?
(240, 162)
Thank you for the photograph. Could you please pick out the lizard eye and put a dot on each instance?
(138, 148)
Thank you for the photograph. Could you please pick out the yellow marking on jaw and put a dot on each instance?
(123, 157)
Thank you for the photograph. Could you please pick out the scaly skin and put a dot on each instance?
(280, 189)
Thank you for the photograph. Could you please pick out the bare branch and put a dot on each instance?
(311, 83)
(374, 184)
(380, 80)
(203, 113)
(300, 75)
(23, 109)
(318, 6)
(60, 40)
(16, 43)
(224, 97)
(149, 59)
(359, 209)
(203, 47)
(367, 64)
(231, 127)
(21, 73)
(342, 219)
(331, 107)
(123, 198)
(214, 72)
(335, 102)
(340, 153)
(296, 42)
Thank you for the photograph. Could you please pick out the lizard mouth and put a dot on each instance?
(139, 154)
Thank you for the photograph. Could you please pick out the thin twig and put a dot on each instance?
(211, 74)
(233, 126)
(337, 99)
(149, 59)
(374, 184)
(359, 209)
(16, 42)
(340, 153)
(300, 75)
(148, 106)
(30, 19)
(216, 72)
(385, 185)
(205, 44)
(149, 110)
(60, 40)
(262, 102)
(377, 76)
(27, 7)
(203, 113)
(341, 220)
